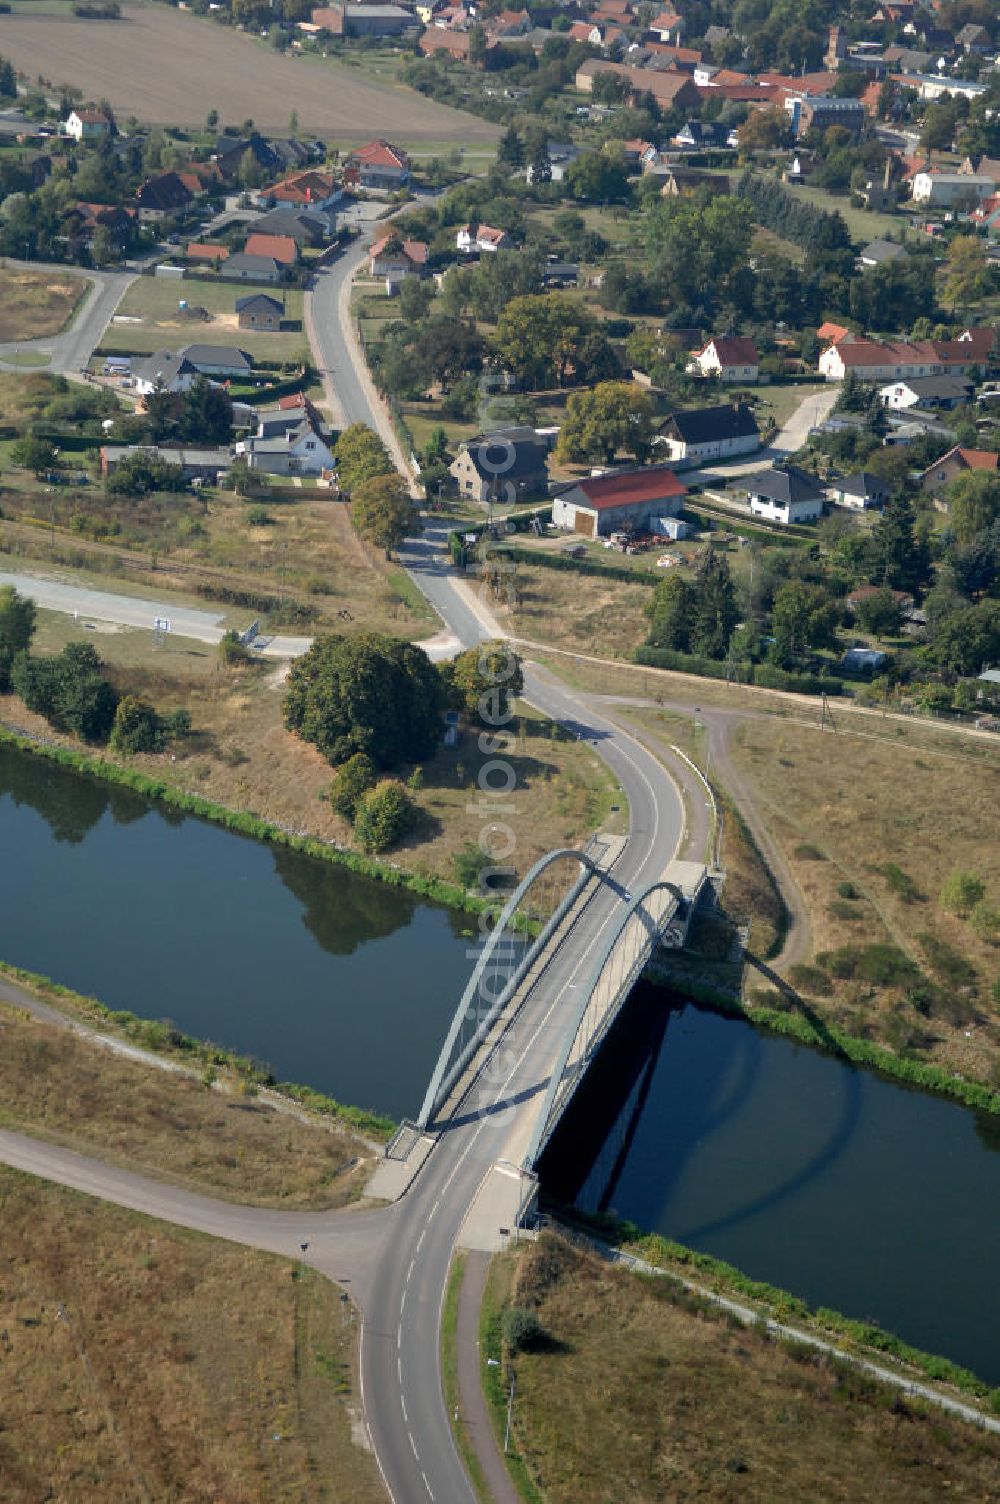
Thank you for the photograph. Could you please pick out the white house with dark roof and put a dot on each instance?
(729, 358)
(786, 495)
(860, 491)
(709, 433)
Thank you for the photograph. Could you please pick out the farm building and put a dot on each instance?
(618, 501)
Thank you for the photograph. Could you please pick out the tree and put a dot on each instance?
(36, 455)
(415, 299)
(880, 614)
(383, 512)
(17, 627)
(973, 500)
(899, 556)
(212, 120)
(696, 249)
(614, 416)
(511, 148)
(545, 337)
(969, 275)
(482, 682)
(137, 727)
(763, 130)
(69, 690)
(8, 79)
(715, 610)
(366, 693)
(361, 456)
(597, 177)
(669, 613)
(961, 891)
(539, 162)
(984, 921)
(968, 640)
(384, 815)
(352, 779)
(803, 618)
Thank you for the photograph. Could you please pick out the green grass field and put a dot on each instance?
(163, 326)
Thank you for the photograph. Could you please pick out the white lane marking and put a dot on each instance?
(399, 1336)
(426, 1484)
(399, 1371)
(402, 1304)
(402, 1401)
(423, 1235)
(364, 1409)
(409, 1272)
(413, 1444)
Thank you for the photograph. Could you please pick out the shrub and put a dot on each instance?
(383, 815)
(259, 516)
(840, 909)
(810, 979)
(469, 863)
(351, 781)
(901, 883)
(984, 921)
(961, 892)
(806, 852)
(522, 1329)
(232, 649)
(846, 890)
(946, 963)
(137, 727)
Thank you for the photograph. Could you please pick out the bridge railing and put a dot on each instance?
(624, 956)
(450, 1065)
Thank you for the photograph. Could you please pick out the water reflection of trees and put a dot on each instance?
(342, 910)
(70, 803)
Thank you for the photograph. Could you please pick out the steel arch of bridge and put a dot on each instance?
(552, 1109)
(445, 1075)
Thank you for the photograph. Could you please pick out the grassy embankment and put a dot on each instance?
(143, 1361)
(198, 1120)
(640, 1389)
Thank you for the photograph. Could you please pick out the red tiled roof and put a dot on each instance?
(980, 459)
(413, 250)
(835, 333)
(205, 251)
(623, 488)
(281, 247)
(379, 154)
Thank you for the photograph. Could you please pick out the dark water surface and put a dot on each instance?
(328, 977)
(846, 1188)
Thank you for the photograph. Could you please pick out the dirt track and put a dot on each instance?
(163, 66)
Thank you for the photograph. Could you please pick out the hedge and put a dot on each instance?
(583, 566)
(763, 675)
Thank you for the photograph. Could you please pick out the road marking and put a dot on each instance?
(426, 1484)
(402, 1401)
(409, 1272)
(399, 1336)
(413, 1444)
(399, 1371)
(422, 1237)
(402, 1304)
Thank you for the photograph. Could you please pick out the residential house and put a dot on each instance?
(701, 135)
(84, 220)
(619, 501)
(197, 464)
(982, 167)
(472, 238)
(161, 196)
(877, 252)
(586, 31)
(88, 125)
(701, 434)
(280, 248)
(304, 190)
(378, 164)
(987, 216)
(309, 228)
(507, 464)
(164, 371)
(860, 491)
(394, 259)
(680, 182)
(668, 27)
(898, 360)
(786, 495)
(974, 38)
(260, 312)
(833, 333)
(946, 189)
(954, 463)
(453, 43)
(943, 392)
(294, 449)
(670, 90)
(218, 360)
(244, 268)
(364, 20)
(212, 251)
(862, 593)
(560, 155)
(729, 358)
(819, 112)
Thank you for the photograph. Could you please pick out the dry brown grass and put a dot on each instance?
(582, 613)
(36, 303)
(642, 1395)
(169, 68)
(76, 1092)
(844, 808)
(143, 1362)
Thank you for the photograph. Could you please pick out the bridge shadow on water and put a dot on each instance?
(645, 1113)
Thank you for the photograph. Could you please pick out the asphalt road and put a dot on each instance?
(70, 351)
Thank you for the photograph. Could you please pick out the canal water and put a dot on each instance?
(329, 978)
(845, 1188)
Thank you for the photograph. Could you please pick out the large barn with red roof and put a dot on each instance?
(619, 501)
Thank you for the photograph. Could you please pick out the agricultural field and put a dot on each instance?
(169, 68)
(63, 1087)
(33, 304)
(150, 318)
(637, 1380)
(145, 1362)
